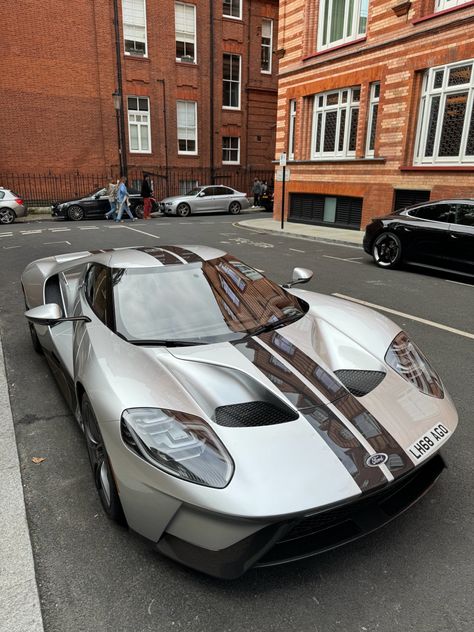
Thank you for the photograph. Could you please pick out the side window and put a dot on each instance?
(208, 191)
(97, 292)
(2, 195)
(436, 212)
(222, 191)
(465, 214)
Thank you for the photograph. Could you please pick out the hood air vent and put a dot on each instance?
(359, 383)
(252, 414)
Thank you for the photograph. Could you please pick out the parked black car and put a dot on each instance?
(266, 200)
(96, 205)
(438, 235)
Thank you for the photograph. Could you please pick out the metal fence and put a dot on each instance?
(47, 188)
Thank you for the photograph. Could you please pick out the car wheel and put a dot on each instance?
(234, 208)
(100, 464)
(183, 210)
(139, 211)
(387, 250)
(75, 213)
(7, 216)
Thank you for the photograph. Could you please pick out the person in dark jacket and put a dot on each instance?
(146, 194)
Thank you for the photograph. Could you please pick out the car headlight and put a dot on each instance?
(178, 443)
(409, 362)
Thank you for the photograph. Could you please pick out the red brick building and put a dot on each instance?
(196, 81)
(376, 106)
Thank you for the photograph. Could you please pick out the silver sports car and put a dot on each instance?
(231, 421)
(205, 199)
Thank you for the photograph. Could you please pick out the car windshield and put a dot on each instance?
(194, 191)
(199, 303)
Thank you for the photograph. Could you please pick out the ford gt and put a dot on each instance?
(232, 421)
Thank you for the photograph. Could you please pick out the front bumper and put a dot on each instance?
(304, 536)
(57, 212)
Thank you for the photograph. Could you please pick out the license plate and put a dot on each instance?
(428, 443)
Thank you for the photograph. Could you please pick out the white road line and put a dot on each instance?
(6, 234)
(47, 243)
(459, 283)
(203, 223)
(137, 230)
(30, 232)
(59, 230)
(296, 250)
(353, 258)
(459, 332)
(10, 247)
(186, 222)
(341, 259)
(88, 228)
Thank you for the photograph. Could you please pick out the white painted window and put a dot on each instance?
(441, 5)
(292, 129)
(341, 21)
(187, 127)
(232, 8)
(231, 150)
(185, 26)
(187, 185)
(445, 133)
(267, 45)
(139, 124)
(134, 27)
(372, 120)
(335, 120)
(231, 81)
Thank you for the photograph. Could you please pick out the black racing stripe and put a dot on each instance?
(187, 255)
(342, 442)
(379, 438)
(164, 257)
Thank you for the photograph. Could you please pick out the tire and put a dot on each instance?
(139, 211)
(100, 465)
(7, 216)
(75, 213)
(387, 250)
(234, 208)
(183, 210)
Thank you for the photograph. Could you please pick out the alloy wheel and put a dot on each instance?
(183, 210)
(387, 250)
(234, 208)
(75, 213)
(7, 216)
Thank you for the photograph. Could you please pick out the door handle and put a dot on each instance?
(454, 236)
(406, 229)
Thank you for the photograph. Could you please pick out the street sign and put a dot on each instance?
(279, 175)
(283, 160)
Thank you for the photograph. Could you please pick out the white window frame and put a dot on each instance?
(429, 92)
(187, 6)
(322, 110)
(292, 130)
(232, 107)
(442, 5)
(127, 25)
(373, 104)
(187, 127)
(231, 162)
(233, 17)
(187, 185)
(269, 46)
(139, 123)
(350, 29)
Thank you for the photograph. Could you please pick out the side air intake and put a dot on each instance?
(358, 382)
(251, 414)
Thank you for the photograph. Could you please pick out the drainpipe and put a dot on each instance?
(211, 91)
(118, 54)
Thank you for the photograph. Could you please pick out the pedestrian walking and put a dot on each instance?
(122, 199)
(257, 192)
(111, 192)
(264, 187)
(146, 193)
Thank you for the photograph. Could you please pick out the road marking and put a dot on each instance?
(6, 234)
(88, 228)
(458, 283)
(10, 247)
(59, 230)
(46, 243)
(459, 332)
(30, 232)
(341, 259)
(137, 230)
(186, 222)
(203, 222)
(296, 250)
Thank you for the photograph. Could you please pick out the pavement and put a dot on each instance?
(19, 599)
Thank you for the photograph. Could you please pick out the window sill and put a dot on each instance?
(230, 108)
(444, 12)
(137, 151)
(229, 162)
(188, 154)
(232, 18)
(438, 168)
(334, 48)
(137, 57)
(182, 62)
(322, 161)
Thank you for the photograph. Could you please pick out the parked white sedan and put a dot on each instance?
(205, 199)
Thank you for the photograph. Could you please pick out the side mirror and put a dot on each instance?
(300, 275)
(201, 194)
(50, 314)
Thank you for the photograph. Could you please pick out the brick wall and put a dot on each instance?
(395, 51)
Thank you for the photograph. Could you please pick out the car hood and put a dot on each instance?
(178, 198)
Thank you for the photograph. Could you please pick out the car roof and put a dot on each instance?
(151, 256)
(431, 202)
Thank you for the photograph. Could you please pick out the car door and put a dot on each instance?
(223, 197)
(427, 237)
(461, 239)
(205, 201)
(97, 204)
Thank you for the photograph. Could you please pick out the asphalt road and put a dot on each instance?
(414, 575)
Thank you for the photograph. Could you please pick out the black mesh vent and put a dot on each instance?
(360, 383)
(251, 414)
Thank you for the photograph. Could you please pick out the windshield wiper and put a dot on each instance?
(272, 326)
(167, 343)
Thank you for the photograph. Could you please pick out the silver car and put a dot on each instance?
(205, 199)
(231, 421)
(11, 206)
